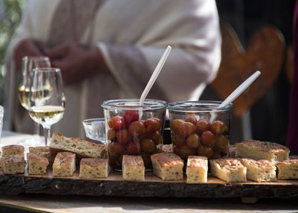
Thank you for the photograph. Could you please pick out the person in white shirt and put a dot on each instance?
(107, 49)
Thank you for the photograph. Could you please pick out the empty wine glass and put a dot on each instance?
(46, 98)
(28, 64)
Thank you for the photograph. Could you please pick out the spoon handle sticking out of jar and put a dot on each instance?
(155, 74)
(153, 78)
(238, 91)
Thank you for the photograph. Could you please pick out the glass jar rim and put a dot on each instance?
(133, 104)
(198, 106)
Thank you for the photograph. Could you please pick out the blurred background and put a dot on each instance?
(268, 117)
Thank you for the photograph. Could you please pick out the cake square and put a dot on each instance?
(167, 166)
(228, 169)
(64, 164)
(13, 164)
(43, 151)
(13, 150)
(133, 168)
(259, 171)
(287, 169)
(94, 168)
(197, 169)
(258, 150)
(37, 164)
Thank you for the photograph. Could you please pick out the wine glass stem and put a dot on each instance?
(36, 128)
(47, 134)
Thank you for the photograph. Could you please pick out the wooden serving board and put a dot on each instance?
(114, 185)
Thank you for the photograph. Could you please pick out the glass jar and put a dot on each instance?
(133, 130)
(200, 128)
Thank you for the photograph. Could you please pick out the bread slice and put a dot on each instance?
(197, 169)
(133, 168)
(64, 164)
(228, 169)
(79, 146)
(287, 169)
(13, 150)
(259, 171)
(43, 151)
(94, 168)
(258, 150)
(13, 164)
(37, 164)
(167, 166)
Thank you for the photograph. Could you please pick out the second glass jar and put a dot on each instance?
(200, 128)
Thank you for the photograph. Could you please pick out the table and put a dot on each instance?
(51, 203)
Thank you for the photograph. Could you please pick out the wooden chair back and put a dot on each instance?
(264, 52)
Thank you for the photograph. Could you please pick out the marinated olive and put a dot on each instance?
(147, 145)
(116, 149)
(193, 141)
(152, 125)
(186, 129)
(117, 123)
(174, 124)
(191, 117)
(202, 126)
(205, 151)
(111, 134)
(185, 151)
(137, 128)
(208, 138)
(178, 140)
(133, 148)
(156, 137)
(218, 127)
(123, 136)
(222, 143)
(130, 116)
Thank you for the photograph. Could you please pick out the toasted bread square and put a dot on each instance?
(13, 150)
(133, 168)
(259, 150)
(64, 164)
(167, 166)
(37, 164)
(13, 164)
(288, 169)
(197, 169)
(81, 147)
(259, 171)
(94, 168)
(228, 169)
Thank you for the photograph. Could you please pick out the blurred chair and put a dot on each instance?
(264, 52)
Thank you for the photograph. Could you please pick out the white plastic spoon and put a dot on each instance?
(155, 75)
(236, 93)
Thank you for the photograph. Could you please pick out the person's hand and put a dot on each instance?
(28, 47)
(76, 63)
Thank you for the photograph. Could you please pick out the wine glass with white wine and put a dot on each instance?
(28, 64)
(46, 98)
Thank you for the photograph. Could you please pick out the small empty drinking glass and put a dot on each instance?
(95, 129)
